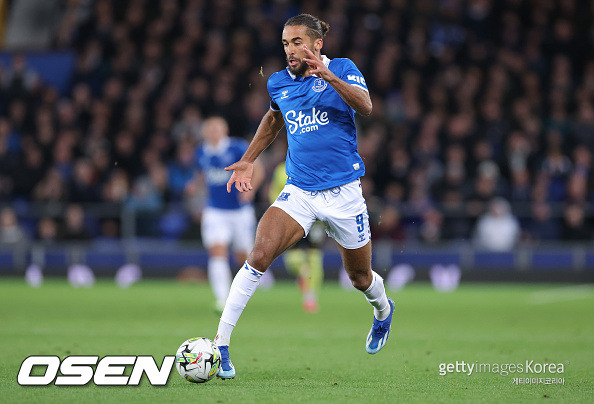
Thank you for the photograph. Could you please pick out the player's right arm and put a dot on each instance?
(271, 124)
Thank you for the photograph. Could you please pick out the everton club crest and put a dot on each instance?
(319, 85)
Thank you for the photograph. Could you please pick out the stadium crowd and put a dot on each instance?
(482, 127)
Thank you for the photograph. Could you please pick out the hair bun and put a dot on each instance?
(325, 27)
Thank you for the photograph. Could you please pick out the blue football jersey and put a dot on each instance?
(320, 126)
(211, 161)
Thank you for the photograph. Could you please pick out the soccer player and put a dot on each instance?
(228, 220)
(316, 98)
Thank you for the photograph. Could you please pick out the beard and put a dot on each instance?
(298, 70)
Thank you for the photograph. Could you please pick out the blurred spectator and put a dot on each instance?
(497, 230)
(520, 189)
(148, 192)
(125, 153)
(454, 178)
(389, 226)
(188, 128)
(456, 225)
(577, 186)
(432, 226)
(50, 188)
(116, 188)
(472, 101)
(8, 160)
(542, 226)
(31, 172)
(487, 186)
(575, 227)
(555, 167)
(109, 231)
(583, 126)
(181, 170)
(74, 228)
(147, 198)
(11, 233)
(47, 230)
(19, 80)
(82, 186)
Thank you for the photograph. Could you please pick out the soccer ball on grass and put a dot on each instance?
(198, 360)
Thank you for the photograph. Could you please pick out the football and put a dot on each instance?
(198, 360)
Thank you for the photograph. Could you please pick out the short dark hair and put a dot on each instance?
(316, 28)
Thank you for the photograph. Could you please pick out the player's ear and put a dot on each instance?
(318, 43)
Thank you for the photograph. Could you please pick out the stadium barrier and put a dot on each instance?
(158, 258)
(166, 253)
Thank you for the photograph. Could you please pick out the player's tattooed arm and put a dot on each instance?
(243, 170)
(355, 97)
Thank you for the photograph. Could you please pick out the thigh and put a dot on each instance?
(276, 232)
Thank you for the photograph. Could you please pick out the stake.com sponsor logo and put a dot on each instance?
(78, 370)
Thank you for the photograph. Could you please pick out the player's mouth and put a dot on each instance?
(293, 62)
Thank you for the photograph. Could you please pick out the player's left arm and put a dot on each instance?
(356, 97)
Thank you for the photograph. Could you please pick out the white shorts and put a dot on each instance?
(342, 210)
(229, 227)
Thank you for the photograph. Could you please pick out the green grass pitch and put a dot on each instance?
(285, 355)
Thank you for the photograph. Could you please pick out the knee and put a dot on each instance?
(361, 280)
(218, 250)
(259, 259)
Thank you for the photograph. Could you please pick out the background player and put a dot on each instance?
(228, 220)
(317, 99)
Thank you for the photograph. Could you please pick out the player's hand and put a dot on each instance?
(241, 177)
(316, 65)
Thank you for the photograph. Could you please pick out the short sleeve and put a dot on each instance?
(351, 74)
(271, 90)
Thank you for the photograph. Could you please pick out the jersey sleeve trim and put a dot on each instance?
(360, 86)
(274, 106)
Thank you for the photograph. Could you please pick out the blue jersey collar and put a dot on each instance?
(324, 59)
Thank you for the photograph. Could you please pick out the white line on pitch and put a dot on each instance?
(563, 294)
